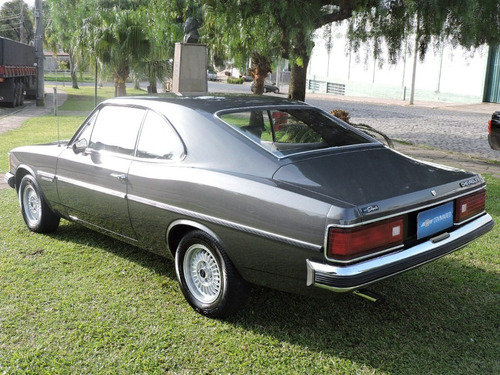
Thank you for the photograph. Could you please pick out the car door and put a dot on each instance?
(155, 188)
(92, 172)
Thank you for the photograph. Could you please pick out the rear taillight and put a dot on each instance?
(470, 206)
(489, 127)
(349, 243)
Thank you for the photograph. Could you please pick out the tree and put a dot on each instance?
(16, 21)
(261, 66)
(289, 25)
(115, 34)
(379, 22)
(64, 22)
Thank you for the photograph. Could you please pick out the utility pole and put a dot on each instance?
(40, 96)
(21, 24)
(415, 53)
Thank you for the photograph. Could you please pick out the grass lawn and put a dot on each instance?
(77, 302)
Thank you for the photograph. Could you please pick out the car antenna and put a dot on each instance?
(55, 114)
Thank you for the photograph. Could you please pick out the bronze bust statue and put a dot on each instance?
(191, 30)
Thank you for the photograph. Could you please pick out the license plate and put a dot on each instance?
(434, 220)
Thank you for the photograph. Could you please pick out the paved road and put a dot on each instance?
(457, 128)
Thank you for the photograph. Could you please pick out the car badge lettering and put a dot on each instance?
(436, 219)
(470, 181)
(369, 209)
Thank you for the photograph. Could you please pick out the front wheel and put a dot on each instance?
(208, 279)
(37, 215)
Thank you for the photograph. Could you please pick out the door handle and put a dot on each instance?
(122, 177)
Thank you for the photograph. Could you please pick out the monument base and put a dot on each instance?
(190, 69)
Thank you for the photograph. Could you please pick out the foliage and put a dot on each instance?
(469, 23)
(11, 17)
(63, 19)
(237, 81)
(371, 131)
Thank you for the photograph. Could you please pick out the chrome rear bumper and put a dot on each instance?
(346, 278)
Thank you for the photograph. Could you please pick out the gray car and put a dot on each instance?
(243, 190)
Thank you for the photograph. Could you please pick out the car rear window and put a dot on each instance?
(290, 131)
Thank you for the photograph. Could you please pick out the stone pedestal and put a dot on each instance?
(190, 69)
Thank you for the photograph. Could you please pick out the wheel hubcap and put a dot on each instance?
(32, 205)
(202, 273)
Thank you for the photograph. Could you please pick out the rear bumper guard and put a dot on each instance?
(10, 179)
(346, 278)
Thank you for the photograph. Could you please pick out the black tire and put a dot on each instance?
(21, 94)
(37, 215)
(208, 279)
(13, 104)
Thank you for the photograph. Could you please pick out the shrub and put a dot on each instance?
(236, 81)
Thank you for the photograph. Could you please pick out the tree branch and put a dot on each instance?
(344, 12)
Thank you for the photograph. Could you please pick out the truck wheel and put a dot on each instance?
(21, 94)
(13, 104)
(207, 278)
(37, 215)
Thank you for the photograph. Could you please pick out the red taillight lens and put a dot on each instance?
(470, 205)
(344, 244)
(489, 127)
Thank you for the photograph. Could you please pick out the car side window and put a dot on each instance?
(116, 129)
(158, 140)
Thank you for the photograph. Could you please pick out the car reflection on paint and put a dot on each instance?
(246, 189)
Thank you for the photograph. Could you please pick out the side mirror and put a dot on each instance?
(80, 146)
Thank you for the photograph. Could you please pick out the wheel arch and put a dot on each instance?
(22, 171)
(179, 228)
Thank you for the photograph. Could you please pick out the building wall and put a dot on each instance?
(448, 74)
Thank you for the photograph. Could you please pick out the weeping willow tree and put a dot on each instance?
(291, 26)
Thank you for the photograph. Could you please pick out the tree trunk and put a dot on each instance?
(297, 88)
(120, 79)
(261, 66)
(152, 87)
(72, 70)
(120, 88)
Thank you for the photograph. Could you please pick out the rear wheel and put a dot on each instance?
(207, 278)
(21, 94)
(37, 215)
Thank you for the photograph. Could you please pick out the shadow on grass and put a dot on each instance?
(443, 318)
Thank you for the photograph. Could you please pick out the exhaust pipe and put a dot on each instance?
(368, 295)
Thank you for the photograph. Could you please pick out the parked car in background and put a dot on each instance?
(268, 87)
(246, 189)
(494, 131)
(211, 75)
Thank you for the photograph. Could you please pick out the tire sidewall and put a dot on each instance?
(48, 221)
(217, 307)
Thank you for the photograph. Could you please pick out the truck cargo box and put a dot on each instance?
(15, 53)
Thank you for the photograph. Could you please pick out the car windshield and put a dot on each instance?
(290, 131)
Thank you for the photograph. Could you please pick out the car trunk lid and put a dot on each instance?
(371, 175)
